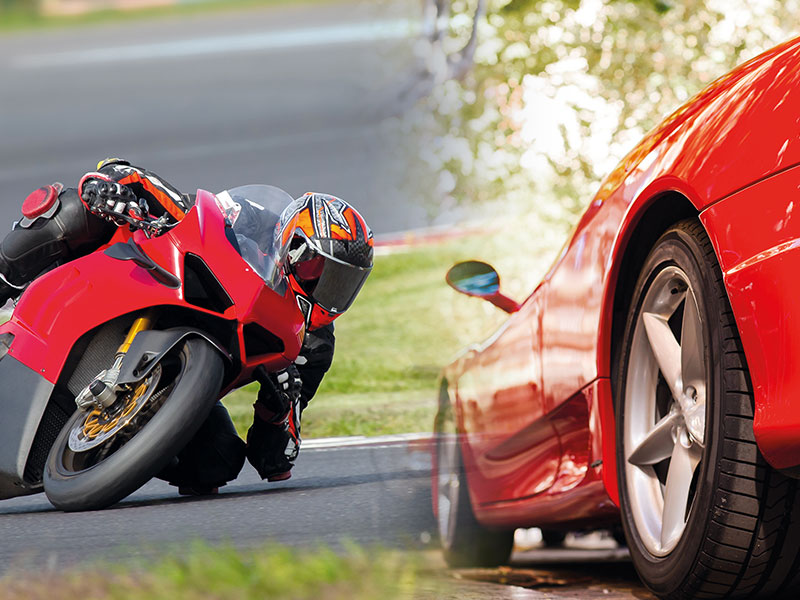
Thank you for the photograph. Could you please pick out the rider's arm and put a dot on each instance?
(315, 360)
(161, 197)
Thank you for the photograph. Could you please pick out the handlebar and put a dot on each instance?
(150, 225)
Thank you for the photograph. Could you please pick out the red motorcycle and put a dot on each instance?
(111, 362)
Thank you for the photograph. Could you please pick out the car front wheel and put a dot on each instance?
(703, 514)
(465, 542)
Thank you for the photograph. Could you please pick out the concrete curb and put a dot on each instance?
(388, 243)
(418, 441)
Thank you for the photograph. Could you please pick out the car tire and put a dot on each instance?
(704, 515)
(465, 542)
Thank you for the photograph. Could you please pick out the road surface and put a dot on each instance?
(373, 493)
(299, 96)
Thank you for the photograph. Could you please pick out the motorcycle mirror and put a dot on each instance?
(479, 279)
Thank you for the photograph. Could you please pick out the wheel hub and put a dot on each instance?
(101, 424)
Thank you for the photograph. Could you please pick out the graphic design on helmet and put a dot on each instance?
(330, 254)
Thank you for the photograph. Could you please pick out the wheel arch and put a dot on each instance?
(657, 214)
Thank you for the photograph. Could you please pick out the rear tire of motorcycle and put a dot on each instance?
(150, 449)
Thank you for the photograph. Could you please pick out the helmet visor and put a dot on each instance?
(338, 285)
(311, 269)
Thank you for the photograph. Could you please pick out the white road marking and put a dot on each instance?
(355, 442)
(273, 40)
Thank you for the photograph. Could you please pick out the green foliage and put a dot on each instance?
(406, 325)
(204, 573)
(561, 90)
(28, 5)
(27, 14)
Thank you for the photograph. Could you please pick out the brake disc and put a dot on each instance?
(100, 425)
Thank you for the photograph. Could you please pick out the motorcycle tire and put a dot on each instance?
(195, 372)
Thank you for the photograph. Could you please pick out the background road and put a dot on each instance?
(376, 494)
(373, 494)
(295, 95)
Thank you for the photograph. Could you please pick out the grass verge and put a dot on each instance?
(25, 15)
(203, 572)
(406, 325)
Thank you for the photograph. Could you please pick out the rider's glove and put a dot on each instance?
(279, 392)
(104, 196)
(289, 381)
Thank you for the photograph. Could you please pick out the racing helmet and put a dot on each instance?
(330, 255)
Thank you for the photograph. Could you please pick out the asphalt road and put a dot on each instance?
(376, 494)
(298, 96)
(372, 495)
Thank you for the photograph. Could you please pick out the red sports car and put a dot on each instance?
(653, 377)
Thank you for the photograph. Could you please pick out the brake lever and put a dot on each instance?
(149, 226)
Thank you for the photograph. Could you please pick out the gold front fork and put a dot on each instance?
(143, 323)
(102, 392)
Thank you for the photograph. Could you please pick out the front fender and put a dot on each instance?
(149, 347)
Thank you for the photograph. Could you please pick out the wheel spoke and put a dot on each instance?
(682, 465)
(448, 483)
(695, 418)
(666, 350)
(693, 369)
(657, 444)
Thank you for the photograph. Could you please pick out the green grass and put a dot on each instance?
(23, 15)
(405, 326)
(203, 573)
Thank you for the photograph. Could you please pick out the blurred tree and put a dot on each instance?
(560, 90)
(18, 5)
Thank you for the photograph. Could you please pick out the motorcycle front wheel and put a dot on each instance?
(100, 458)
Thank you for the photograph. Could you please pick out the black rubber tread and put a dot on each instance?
(751, 545)
(472, 544)
(148, 451)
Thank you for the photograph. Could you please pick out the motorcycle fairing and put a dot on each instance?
(24, 394)
(62, 305)
(131, 251)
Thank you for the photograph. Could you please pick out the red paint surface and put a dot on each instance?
(731, 151)
(758, 233)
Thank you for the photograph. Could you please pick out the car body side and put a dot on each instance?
(535, 402)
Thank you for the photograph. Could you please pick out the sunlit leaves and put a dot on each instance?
(562, 89)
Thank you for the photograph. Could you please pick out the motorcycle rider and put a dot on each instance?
(330, 257)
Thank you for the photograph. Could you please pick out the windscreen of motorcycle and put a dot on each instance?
(254, 212)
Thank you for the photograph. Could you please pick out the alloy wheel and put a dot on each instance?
(665, 410)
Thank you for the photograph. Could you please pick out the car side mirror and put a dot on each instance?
(475, 278)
